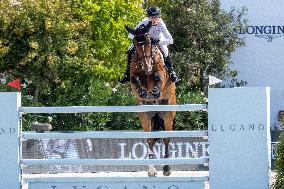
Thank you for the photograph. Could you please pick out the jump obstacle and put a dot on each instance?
(238, 132)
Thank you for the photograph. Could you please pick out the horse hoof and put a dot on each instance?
(152, 171)
(167, 173)
(167, 170)
(152, 174)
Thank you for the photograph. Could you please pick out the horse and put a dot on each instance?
(151, 85)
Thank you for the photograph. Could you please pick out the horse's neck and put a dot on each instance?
(136, 57)
(160, 64)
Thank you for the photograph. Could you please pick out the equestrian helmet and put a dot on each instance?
(154, 11)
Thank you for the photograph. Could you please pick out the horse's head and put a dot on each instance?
(143, 46)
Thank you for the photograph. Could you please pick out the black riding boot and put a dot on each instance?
(173, 75)
(126, 75)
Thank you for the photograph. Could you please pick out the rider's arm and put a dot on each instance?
(168, 39)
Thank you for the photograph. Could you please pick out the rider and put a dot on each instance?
(160, 35)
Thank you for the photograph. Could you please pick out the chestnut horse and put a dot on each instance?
(151, 85)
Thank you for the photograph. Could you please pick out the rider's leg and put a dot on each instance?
(126, 75)
(173, 75)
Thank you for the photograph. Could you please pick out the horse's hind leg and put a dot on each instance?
(168, 121)
(151, 170)
(166, 168)
(146, 124)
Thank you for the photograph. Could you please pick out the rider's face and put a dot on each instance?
(154, 19)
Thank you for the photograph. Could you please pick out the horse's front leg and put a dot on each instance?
(135, 80)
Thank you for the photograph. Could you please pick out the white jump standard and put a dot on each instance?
(239, 142)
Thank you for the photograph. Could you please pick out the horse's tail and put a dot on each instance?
(157, 125)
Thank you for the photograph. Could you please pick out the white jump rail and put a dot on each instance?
(117, 134)
(238, 131)
(170, 161)
(140, 108)
(113, 134)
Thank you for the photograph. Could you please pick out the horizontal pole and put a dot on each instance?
(76, 177)
(168, 161)
(113, 134)
(140, 108)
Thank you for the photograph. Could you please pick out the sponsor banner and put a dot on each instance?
(110, 149)
(114, 149)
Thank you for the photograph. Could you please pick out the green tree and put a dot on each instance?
(279, 183)
(108, 40)
(71, 51)
(40, 41)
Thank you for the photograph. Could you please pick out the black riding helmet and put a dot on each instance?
(154, 11)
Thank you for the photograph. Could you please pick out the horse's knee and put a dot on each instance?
(150, 141)
(166, 141)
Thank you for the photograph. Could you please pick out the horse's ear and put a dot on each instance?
(147, 27)
(130, 30)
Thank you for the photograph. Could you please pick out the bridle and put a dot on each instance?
(154, 50)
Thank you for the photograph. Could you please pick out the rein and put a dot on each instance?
(154, 50)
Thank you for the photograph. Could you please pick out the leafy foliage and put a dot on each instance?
(190, 120)
(279, 183)
(108, 39)
(71, 52)
(123, 121)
